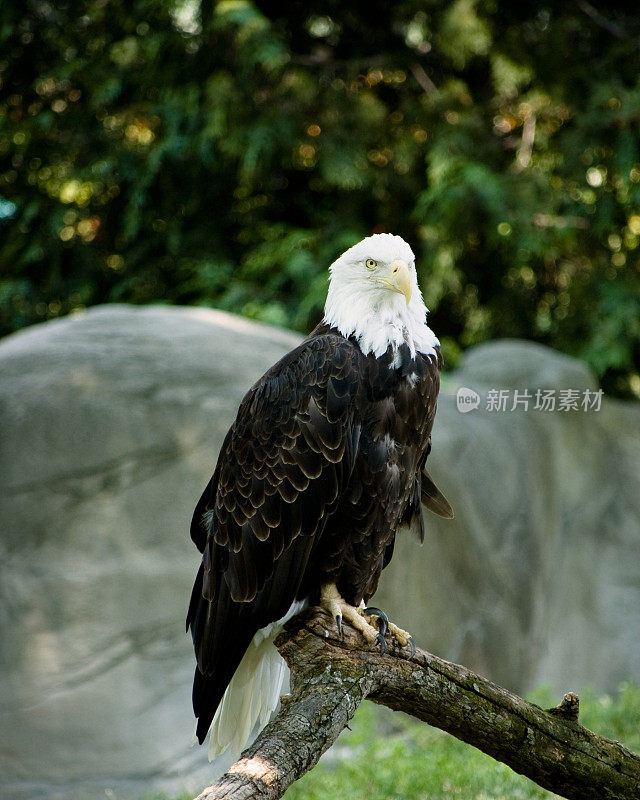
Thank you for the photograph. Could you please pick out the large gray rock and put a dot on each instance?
(110, 425)
(111, 422)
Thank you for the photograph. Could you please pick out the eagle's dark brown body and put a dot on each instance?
(322, 465)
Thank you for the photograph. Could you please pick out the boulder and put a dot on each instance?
(110, 425)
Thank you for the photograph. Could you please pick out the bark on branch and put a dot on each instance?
(331, 676)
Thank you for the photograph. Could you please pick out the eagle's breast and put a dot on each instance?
(395, 407)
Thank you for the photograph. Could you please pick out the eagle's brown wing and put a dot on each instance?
(280, 472)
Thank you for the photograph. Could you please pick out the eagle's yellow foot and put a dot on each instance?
(332, 601)
(403, 638)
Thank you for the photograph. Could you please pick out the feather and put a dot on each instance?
(253, 692)
(433, 499)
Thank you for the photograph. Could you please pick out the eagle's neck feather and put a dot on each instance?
(377, 324)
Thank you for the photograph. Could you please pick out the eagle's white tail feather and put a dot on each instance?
(253, 693)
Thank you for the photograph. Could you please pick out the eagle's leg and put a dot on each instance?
(403, 637)
(339, 609)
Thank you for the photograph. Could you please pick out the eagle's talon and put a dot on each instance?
(339, 624)
(375, 612)
(381, 641)
(382, 619)
(385, 626)
(402, 637)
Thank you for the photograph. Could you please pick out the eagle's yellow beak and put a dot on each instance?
(397, 277)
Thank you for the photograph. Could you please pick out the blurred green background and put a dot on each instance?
(223, 154)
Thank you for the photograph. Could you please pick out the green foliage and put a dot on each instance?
(223, 153)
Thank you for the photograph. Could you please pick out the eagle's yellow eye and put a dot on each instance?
(371, 263)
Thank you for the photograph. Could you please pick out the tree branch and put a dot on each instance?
(330, 677)
(601, 20)
(423, 79)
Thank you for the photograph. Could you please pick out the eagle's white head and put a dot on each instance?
(374, 296)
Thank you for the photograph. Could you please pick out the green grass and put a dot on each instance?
(389, 756)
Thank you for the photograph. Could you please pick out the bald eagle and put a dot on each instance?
(322, 466)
